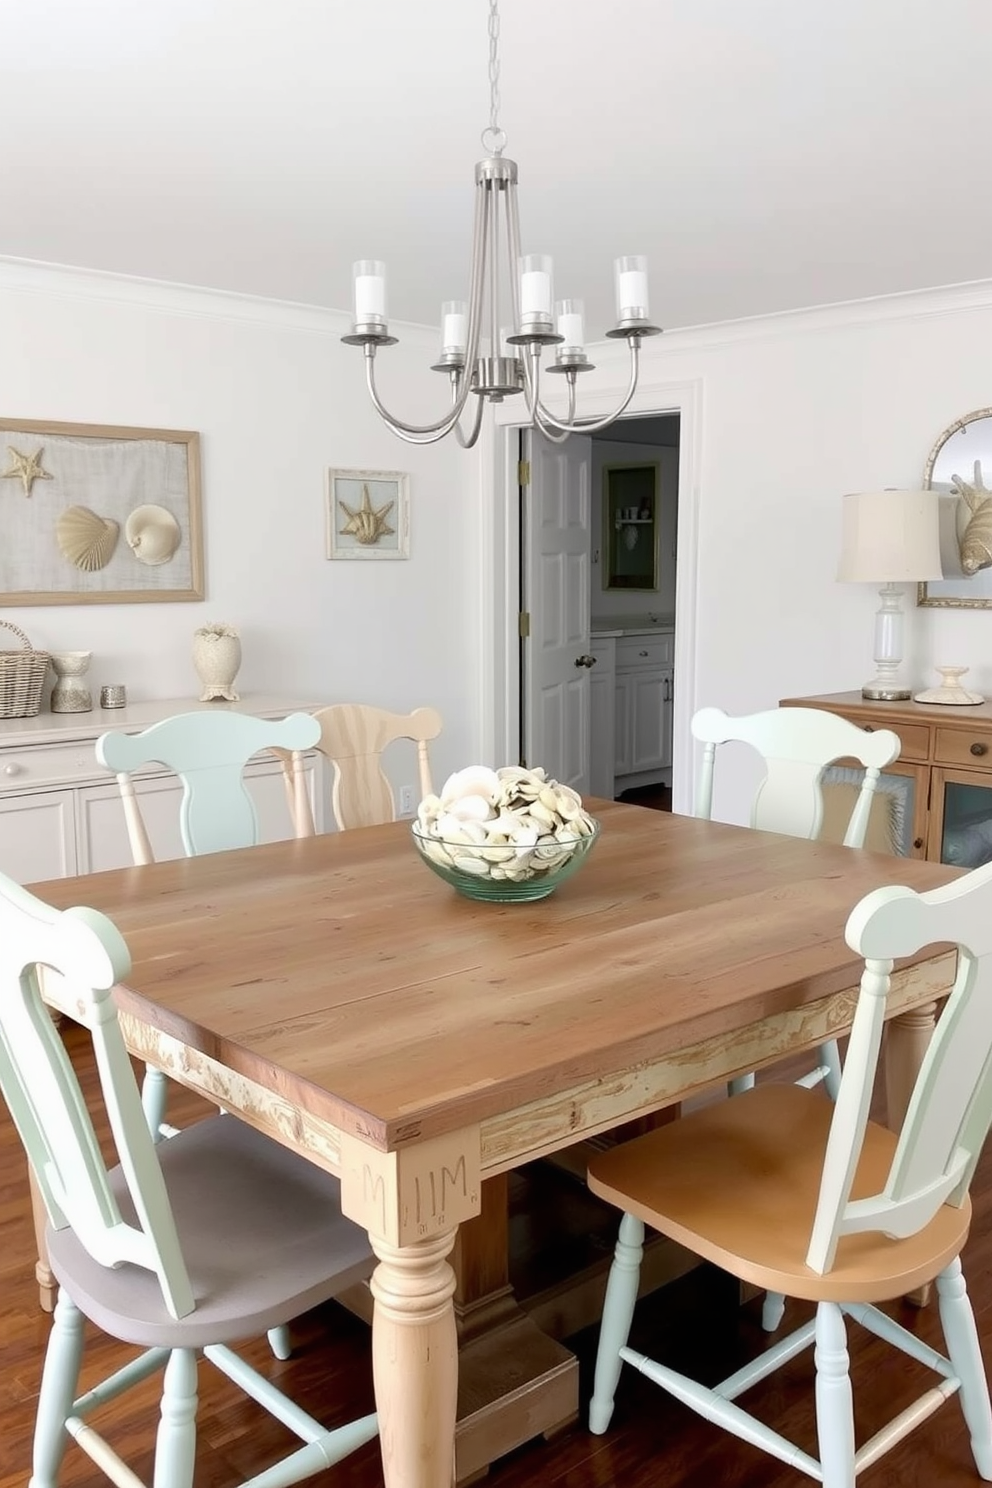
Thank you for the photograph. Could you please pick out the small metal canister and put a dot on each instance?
(113, 697)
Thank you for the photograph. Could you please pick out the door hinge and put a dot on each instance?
(523, 472)
(523, 623)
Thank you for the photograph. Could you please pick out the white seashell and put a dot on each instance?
(540, 813)
(87, 540)
(152, 534)
(474, 780)
(469, 863)
(470, 808)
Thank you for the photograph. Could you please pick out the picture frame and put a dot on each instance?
(99, 514)
(368, 514)
(631, 497)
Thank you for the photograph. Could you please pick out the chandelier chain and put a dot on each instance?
(494, 138)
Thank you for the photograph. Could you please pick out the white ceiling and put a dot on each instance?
(765, 154)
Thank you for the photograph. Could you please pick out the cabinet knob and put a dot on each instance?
(13, 769)
(917, 842)
(979, 749)
(869, 728)
(642, 653)
(586, 661)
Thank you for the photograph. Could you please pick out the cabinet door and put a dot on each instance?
(623, 695)
(648, 710)
(102, 835)
(961, 817)
(36, 836)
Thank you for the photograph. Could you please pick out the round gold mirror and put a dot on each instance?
(960, 467)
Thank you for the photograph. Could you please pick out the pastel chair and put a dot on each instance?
(793, 1194)
(796, 746)
(208, 751)
(182, 1249)
(353, 737)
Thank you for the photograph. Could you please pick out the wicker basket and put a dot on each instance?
(22, 675)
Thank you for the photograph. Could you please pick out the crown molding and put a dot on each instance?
(30, 276)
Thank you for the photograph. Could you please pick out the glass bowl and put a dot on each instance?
(479, 872)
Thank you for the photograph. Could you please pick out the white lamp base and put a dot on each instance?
(887, 686)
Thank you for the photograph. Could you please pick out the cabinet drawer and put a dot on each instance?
(915, 740)
(965, 747)
(54, 764)
(645, 651)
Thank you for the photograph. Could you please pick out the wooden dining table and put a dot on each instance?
(337, 995)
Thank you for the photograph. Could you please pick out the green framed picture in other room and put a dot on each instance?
(630, 514)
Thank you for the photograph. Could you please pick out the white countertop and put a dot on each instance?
(56, 728)
(632, 625)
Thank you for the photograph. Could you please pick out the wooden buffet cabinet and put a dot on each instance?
(946, 760)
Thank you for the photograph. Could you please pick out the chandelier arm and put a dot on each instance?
(467, 440)
(592, 426)
(414, 433)
(477, 283)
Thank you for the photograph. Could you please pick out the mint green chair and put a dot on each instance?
(182, 1249)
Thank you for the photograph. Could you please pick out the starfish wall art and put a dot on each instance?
(367, 514)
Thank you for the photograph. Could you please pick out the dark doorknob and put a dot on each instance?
(586, 661)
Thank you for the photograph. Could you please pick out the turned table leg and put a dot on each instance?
(415, 1361)
(47, 1285)
(907, 1040)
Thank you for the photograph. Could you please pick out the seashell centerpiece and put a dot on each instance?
(509, 834)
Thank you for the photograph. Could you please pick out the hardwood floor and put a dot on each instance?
(693, 1324)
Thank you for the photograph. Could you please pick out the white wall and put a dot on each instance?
(794, 411)
(609, 603)
(277, 400)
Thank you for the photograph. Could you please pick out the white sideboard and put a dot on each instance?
(61, 813)
(632, 709)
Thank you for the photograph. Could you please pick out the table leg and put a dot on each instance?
(47, 1285)
(415, 1361)
(907, 1040)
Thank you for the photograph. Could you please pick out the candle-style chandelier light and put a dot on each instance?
(508, 361)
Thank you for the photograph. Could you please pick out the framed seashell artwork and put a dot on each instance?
(98, 514)
(368, 514)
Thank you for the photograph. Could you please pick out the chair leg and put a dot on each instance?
(618, 1313)
(772, 1311)
(834, 1402)
(740, 1083)
(829, 1056)
(154, 1094)
(175, 1443)
(958, 1323)
(279, 1341)
(59, 1382)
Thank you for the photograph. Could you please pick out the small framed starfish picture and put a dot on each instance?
(368, 514)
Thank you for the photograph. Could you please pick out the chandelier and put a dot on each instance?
(507, 361)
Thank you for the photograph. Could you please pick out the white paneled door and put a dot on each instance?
(556, 541)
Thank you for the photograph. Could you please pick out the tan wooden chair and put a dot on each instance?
(788, 1192)
(353, 737)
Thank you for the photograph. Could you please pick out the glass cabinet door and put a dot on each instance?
(962, 808)
(897, 823)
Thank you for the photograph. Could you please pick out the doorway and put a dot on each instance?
(499, 535)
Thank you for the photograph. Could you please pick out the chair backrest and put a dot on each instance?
(208, 751)
(796, 745)
(951, 1105)
(46, 1103)
(353, 737)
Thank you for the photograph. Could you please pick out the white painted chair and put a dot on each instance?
(181, 1250)
(816, 1201)
(796, 745)
(353, 737)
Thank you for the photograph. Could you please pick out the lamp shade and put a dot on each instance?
(889, 537)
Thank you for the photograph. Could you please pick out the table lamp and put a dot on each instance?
(889, 538)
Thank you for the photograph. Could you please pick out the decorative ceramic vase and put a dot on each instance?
(950, 692)
(70, 694)
(217, 656)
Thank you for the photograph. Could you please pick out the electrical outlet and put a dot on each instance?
(406, 800)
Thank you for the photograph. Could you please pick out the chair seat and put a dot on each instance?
(737, 1182)
(260, 1228)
